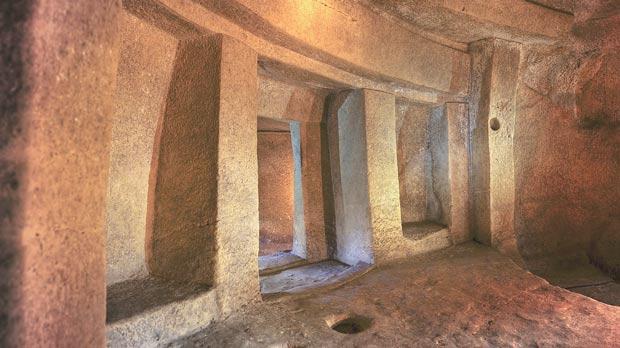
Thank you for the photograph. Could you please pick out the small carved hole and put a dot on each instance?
(349, 323)
(494, 123)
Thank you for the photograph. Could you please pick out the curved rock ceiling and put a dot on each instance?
(465, 21)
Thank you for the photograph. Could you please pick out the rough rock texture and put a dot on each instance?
(543, 177)
(379, 121)
(468, 295)
(146, 59)
(303, 108)
(279, 33)
(567, 144)
(320, 273)
(205, 146)
(492, 125)
(467, 21)
(438, 184)
(57, 80)
(354, 233)
(433, 162)
(556, 133)
(185, 167)
(150, 312)
(275, 191)
(316, 187)
(458, 170)
(278, 100)
(362, 137)
(299, 227)
(363, 39)
(413, 159)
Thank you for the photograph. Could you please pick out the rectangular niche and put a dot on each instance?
(275, 186)
(422, 133)
(280, 196)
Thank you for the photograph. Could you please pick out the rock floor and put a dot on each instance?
(464, 296)
(278, 260)
(315, 274)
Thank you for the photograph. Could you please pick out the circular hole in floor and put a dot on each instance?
(494, 123)
(349, 323)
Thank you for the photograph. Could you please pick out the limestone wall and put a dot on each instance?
(413, 158)
(561, 146)
(332, 43)
(57, 82)
(567, 149)
(146, 59)
(422, 135)
(275, 190)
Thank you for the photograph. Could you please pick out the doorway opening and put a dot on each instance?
(278, 194)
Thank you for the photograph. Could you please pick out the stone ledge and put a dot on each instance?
(149, 312)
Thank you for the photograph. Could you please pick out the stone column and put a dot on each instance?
(369, 225)
(313, 194)
(334, 103)
(57, 84)
(203, 200)
(458, 158)
(383, 188)
(497, 62)
(299, 227)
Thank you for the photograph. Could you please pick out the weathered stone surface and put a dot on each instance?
(564, 145)
(479, 141)
(493, 129)
(468, 295)
(467, 21)
(354, 229)
(458, 168)
(185, 168)
(368, 222)
(501, 121)
(346, 55)
(299, 226)
(567, 6)
(282, 101)
(379, 122)
(604, 247)
(275, 191)
(146, 59)
(315, 198)
(412, 124)
(438, 175)
(207, 159)
(567, 145)
(534, 172)
(150, 312)
(57, 81)
(237, 217)
(433, 162)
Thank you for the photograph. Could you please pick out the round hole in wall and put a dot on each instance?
(494, 123)
(349, 323)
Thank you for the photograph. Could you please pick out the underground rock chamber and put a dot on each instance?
(134, 134)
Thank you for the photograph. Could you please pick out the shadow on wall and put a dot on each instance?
(567, 162)
(423, 168)
(275, 190)
(13, 92)
(147, 58)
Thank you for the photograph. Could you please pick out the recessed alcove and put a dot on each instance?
(276, 186)
(280, 194)
(423, 173)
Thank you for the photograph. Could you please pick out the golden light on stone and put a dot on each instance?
(309, 173)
